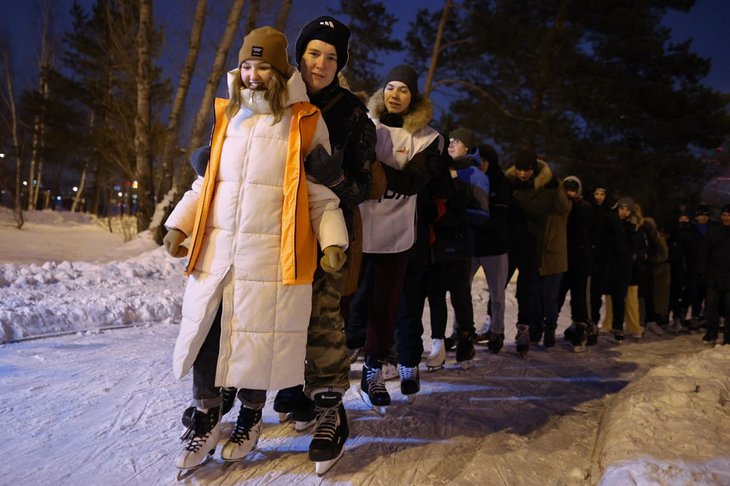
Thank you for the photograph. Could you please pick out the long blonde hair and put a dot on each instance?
(276, 94)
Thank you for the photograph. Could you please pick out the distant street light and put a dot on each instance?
(2, 155)
(25, 183)
(75, 189)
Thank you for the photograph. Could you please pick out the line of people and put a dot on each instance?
(320, 226)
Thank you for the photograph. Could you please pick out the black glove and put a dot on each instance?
(199, 159)
(325, 168)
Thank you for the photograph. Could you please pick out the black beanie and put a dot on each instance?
(329, 30)
(526, 160)
(406, 75)
(489, 153)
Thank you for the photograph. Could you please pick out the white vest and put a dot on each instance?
(389, 223)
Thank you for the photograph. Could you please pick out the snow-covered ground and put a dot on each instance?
(94, 402)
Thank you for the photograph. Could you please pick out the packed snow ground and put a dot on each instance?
(95, 402)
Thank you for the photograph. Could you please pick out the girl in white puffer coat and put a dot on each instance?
(254, 220)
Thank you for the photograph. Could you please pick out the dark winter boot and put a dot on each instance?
(579, 338)
(522, 339)
(535, 333)
(548, 339)
(450, 342)
(465, 349)
(496, 341)
(331, 430)
(303, 414)
(592, 334)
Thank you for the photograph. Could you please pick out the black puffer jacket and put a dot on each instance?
(352, 132)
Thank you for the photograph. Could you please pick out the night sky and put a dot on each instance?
(706, 25)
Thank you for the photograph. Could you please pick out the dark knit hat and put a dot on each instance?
(488, 153)
(268, 45)
(406, 75)
(466, 136)
(702, 210)
(526, 160)
(329, 30)
(625, 202)
(725, 209)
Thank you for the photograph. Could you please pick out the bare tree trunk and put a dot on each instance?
(203, 116)
(437, 48)
(253, 15)
(8, 98)
(143, 172)
(80, 191)
(283, 16)
(44, 62)
(170, 143)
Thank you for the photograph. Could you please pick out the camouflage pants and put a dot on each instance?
(327, 362)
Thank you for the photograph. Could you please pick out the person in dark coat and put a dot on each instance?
(603, 238)
(682, 242)
(580, 259)
(715, 262)
(540, 218)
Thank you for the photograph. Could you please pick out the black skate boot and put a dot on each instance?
(286, 400)
(522, 339)
(303, 413)
(465, 350)
(372, 388)
(580, 337)
(535, 333)
(201, 438)
(228, 399)
(591, 334)
(331, 431)
(548, 339)
(450, 342)
(245, 435)
(618, 336)
(410, 382)
(495, 342)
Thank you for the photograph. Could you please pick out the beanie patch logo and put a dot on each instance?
(327, 23)
(257, 51)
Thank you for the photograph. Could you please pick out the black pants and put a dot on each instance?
(453, 277)
(576, 282)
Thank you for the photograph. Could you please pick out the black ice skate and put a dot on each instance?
(372, 389)
(410, 383)
(286, 400)
(330, 433)
(200, 437)
(465, 350)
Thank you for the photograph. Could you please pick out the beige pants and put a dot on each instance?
(632, 324)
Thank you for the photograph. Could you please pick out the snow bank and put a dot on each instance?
(57, 298)
(671, 426)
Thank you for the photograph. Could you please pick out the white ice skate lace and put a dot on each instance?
(375, 381)
(407, 373)
(327, 422)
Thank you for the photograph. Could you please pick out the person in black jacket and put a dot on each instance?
(716, 264)
(602, 230)
(580, 259)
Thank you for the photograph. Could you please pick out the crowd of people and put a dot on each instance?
(321, 223)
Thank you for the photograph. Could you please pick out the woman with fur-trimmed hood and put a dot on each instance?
(410, 152)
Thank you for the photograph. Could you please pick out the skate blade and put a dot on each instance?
(301, 426)
(321, 467)
(466, 365)
(379, 409)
